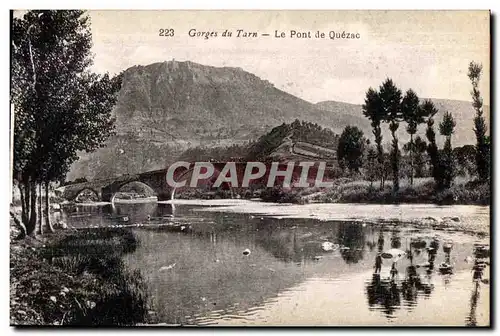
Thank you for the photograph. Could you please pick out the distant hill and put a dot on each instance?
(462, 111)
(165, 108)
(294, 141)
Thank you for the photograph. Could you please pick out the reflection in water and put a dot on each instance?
(481, 256)
(384, 294)
(380, 241)
(213, 281)
(412, 286)
(432, 251)
(351, 237)
(396, 239)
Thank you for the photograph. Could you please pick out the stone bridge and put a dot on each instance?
(106, 189)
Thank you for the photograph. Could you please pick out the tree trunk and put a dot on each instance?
(27, 200)
(20, 225)
(395, 163)
(382, 180)
(411, 158)
(47, 206)
(382, 173)
(40, 214)
(31, 225)
(380, 160)
(24, 217)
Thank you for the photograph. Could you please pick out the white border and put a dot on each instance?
(190, 4)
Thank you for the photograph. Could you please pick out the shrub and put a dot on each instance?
(280, 195)
(80, 280)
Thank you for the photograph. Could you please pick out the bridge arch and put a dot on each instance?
(136, 186)
(87, 190)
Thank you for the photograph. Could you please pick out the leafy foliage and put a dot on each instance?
(390, 97)
(370, 163)
(482, 140)
(432, 148)
(350, 148)
(410, 110)
(77, 279)
(372, 109)
(303, 131)
(465, 157)
(446, 128)
(441, 161)
(418, 147)
(60, 106)
(413, 116)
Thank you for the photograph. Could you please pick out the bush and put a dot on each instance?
(280, 195)
(361, 192)
(80, 279)
(121, 302)
(469, 193)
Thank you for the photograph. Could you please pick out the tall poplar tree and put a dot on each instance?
(372, 109)
(390, 97)
(480, 128)
(60, 106)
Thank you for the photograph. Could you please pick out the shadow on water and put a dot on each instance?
(351, 238)
(481, 263)
(203, 275)
(388, 295)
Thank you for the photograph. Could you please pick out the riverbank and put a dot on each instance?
(76, 278)
(351, 191)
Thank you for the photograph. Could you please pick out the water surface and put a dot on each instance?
(200, 275)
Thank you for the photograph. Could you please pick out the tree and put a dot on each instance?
(465, 157)
(390, 97)
(370, 163)
(372, 109)
(413, 116)
(60, 106)
(480, 129)
(446, 128)
(432, 148)
(420, 147)
(351, 147)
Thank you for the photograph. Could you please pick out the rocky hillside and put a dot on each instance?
(193, 102)
(165, 108)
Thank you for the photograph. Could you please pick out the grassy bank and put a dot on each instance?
(76, 278)
(349, 191)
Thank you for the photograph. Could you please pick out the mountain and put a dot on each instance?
(464, 113)
(190, 101)
(165, 108)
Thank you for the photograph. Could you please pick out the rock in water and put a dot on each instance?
(165, 268)
(329, 246)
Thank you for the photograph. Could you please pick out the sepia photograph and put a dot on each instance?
(256, 168)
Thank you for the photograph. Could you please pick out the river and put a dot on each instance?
(240, 262)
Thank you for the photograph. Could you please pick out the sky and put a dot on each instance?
(428, 51)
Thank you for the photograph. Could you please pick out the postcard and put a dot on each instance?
(250, 168)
